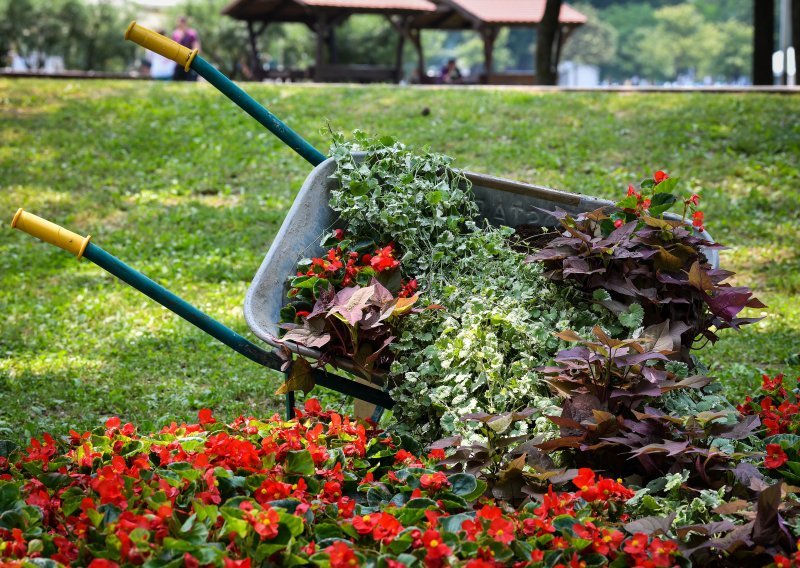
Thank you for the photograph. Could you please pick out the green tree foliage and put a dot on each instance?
(594, 43)
(87, 35)
(367, 40)
(659, 43)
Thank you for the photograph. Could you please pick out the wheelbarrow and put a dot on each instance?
(500, 202)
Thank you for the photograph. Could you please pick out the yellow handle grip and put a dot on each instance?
(161, 44)
(50, 232)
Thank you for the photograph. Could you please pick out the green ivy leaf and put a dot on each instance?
(632, 317)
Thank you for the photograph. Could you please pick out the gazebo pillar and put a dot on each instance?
(321, 29)
(489, 35)
(398, 60)
(414, 35)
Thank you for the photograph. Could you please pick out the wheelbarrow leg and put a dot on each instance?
(289, 402)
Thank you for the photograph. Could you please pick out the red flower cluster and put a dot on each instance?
(383, 259)
(433, 481)
(342, 267)
(656, 552)
(604, 490)
(779, 409)
(642, 203)
(782, 561)
(776, 457)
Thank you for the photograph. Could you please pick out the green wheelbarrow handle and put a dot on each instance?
(83, 248)
(189, 59)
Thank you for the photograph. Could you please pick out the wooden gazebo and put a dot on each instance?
(323, 17)
(408, 17)
(488, 17)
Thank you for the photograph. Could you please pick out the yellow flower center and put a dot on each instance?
(585, 488)
(500, 532)
(607, 538)
(434, 543)
(365, 518)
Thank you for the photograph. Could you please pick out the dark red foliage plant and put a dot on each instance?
(634, 254)
(612, 417)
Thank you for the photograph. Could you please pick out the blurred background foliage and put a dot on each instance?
(653, 40)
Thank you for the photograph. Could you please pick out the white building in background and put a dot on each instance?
(571, 74)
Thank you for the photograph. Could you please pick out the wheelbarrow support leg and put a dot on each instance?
(289, 403)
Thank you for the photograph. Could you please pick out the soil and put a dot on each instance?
(528, 238)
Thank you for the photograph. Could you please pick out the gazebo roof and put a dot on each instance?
(460, 14)
(303, 10)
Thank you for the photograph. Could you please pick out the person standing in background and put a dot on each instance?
(161, 68)
(187, 37)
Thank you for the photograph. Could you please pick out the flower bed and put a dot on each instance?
(320, 489)
(327, 490)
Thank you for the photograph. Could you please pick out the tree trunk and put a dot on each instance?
(547, 44)
(763, 41)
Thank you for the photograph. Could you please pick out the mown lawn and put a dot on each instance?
(179, 183)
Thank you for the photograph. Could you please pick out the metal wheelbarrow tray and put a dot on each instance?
(500, 202)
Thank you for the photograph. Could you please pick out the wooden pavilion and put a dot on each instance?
(408, 17)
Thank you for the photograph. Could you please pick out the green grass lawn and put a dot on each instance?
(179, 183)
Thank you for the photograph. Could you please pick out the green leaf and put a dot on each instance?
(666, 186)
(234, 520)
(359, 188)
(434, 197)
(327, 530)
(9, 496)
(628, 202)
(463, 484)
(453, 522)
(291, 522)
(661, 202)
(421, 503)
(410, 516)
(632, 317)
(786, 441)
(299, 463)
(7, 447)
(601, 295)
(70, 500)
